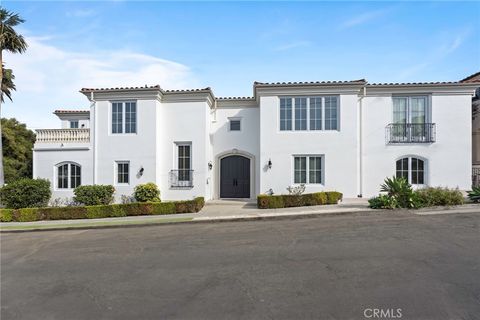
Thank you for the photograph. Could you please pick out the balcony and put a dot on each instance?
(181, 179)
(63, 135)
(410, 133)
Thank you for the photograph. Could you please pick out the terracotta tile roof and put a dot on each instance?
(189, 90)
(71, 111)
(235, 98)
(412, 83)
(359, 81)
(120, 88)
(472, 78)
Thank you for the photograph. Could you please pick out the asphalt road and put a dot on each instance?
(338, 267)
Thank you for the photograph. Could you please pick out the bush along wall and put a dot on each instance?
(288, 200)
(101, 211)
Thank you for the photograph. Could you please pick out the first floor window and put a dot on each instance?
(308, 164)
(412, 169)
(123, 172)
(69, 176)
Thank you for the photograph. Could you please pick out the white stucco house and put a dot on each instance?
(336, 135)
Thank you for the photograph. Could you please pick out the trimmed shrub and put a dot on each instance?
(6, 215)
(147, 192)
(293, 200)
(165, 208)
(194, 205)
(26, 193)
(94, 195)
(101, 211)
(430, 197)
(62, 213)
(270, 202)
(333, 197)
(310, 199)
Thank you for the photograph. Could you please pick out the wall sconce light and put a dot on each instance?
(210, 165)
(269, 164)
(140, 172)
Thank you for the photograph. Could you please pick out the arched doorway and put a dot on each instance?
(235, 177)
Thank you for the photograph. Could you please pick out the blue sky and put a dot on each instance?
(228, 45)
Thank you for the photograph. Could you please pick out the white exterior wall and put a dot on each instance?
(339, 149)
(243, 142)
(65, 124)
(137, 148)
(448, 158)
(47, 157)
(184, 122)
(164, 120)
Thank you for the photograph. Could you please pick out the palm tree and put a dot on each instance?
(7, 83)
(12, 42)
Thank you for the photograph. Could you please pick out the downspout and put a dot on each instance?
(360, 142)
(94, 146)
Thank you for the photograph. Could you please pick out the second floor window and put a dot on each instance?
(309, 113)
(74, 124)
(124, 117)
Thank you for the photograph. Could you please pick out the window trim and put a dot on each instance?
(230, 119)
(116, 163)
(322, 112)
(409, 169)
(124, 116)
(69, 175)
(308, 156)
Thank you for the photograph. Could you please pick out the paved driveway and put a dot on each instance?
(318, 268)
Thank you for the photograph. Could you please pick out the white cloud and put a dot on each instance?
(293, 45)
(363, 18)
(438, 53)
(49, 78)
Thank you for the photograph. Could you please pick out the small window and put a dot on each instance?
(74, 124)
(412, 169)
(123, 172)
(69, 176)
(235, 124)
(124, 117)
(184, 162)
(308, 164)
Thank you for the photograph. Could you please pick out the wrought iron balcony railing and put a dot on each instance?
(182, 178)
(410, 133)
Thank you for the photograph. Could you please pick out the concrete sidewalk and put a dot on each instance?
(224, 210)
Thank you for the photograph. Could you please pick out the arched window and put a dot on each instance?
(69, 176)
(412, 169)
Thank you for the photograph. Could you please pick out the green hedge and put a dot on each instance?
(287, 201)
(101, 211)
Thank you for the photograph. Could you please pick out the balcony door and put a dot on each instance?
(410, 118)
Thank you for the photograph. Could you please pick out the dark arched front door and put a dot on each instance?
(235, 177)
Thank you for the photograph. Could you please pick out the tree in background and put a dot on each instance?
(17, 143)
(12, 42)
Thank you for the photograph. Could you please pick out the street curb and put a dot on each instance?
(193, 221)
